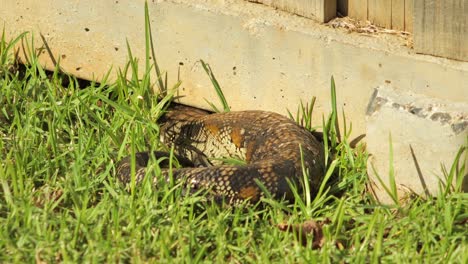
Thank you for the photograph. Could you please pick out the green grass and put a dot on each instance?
(60, 200)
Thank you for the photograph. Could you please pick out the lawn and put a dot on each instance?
(61, 202)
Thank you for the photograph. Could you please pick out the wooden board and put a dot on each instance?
(441, 28)
(391, 14)
(358, 9)
(326, 9)
(380, 12)
(409, 15)
(398, 14)
(320, 10)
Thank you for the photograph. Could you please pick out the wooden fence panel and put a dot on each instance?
(398, 14)
(409, 15)
(441, 28)
(380, 12)
(357, 9)
(321, 10)
(391, 14)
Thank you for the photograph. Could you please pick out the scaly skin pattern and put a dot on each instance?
(270, 143)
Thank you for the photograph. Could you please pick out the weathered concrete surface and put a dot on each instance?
(425, 133)
(263, 58)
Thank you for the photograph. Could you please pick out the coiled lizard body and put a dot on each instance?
(274, 148)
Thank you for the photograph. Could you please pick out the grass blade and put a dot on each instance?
(216, 86)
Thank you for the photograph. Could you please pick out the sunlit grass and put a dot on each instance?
(60, 200)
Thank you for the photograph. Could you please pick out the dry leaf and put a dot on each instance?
(306, 231)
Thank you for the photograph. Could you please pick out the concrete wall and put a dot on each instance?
(263, 58)
(424, 133)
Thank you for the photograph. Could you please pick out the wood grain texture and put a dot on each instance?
(358, 9)
(398, 14)
(320, 10)
(441, 28)
(391, 14)
(409, 15)
(380, 12)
